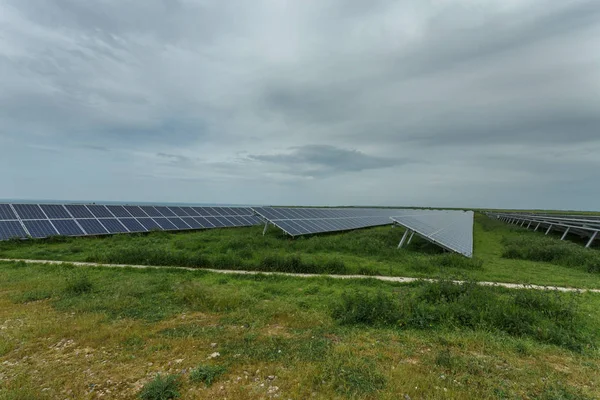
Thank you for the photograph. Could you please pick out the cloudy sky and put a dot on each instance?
(490, 103)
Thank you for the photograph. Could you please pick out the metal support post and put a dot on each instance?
(529, 224)
(537, 226)
(522, 223)
(403, 238)
(589, 243)
(565, 234)
(266, 226)
(549, 229)
(410, 238)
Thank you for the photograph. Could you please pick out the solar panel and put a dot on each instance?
(40, 228)
(192, 222)
(67, 227)
(303, 221)
(29, 211)
(179, 211)
(216, 222)
(178, 222)
(151, 211)
(190, 211)
(42, 220)
(136, 211)
(55, 211)
(113, 225)
(99, 211)
(165, 224)
(92, 227)
(79, 211)
(132, 225)
(11, 229)
(204, 222)
(165, 211)
(450, 229)
(6, 212)
(119, 211)
(149, 224)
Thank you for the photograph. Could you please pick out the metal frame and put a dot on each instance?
(579, 224)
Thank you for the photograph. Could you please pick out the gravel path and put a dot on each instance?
(227, 271)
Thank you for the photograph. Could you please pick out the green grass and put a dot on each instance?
(367, 252)
(318, 338)
(546, 317)
(161, 388)
(207, 373)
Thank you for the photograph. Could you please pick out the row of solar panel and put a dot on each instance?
(40, 228)
(69, 211)
(295, 227)
(281, 213)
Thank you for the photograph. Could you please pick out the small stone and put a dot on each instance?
(271, 377)
(213, 345)
(179, 361)
(214, 355)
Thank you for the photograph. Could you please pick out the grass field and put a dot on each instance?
(69, 332)
(368, 251)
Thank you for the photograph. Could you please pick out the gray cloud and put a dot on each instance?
(322, 160)
(464, 102)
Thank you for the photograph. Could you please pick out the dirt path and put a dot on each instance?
(378, 277)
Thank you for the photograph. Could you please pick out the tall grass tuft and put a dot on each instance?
(206, 373)
(79, 284)
(161, 388)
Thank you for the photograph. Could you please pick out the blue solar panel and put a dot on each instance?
(202, 211)
(6, 212)
(132, 225)
(136, 211)
(165, 211)
(95, 219)
(29, 211)
(99, 211)
(217, 223)
(79, 211)
(40, 228)
(165, 224)
(191, 212)
(119, 211)
(67, 227)
(149, 224)
(55, 211)
(92, 227)
(192, 222)
(11, 229)
(301, 221)
(151, 211)
(204, 222)
(113, 225)
(178, 222)
(179, 211)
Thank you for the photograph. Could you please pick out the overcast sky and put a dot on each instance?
(491, 103)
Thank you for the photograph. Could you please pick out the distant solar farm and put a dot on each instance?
(452, 230)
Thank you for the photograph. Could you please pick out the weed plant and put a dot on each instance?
(161, 388)
(207, 374)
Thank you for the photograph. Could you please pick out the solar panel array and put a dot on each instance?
(44, 220)
(450, 229)
(583, 225)
(305, 221)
